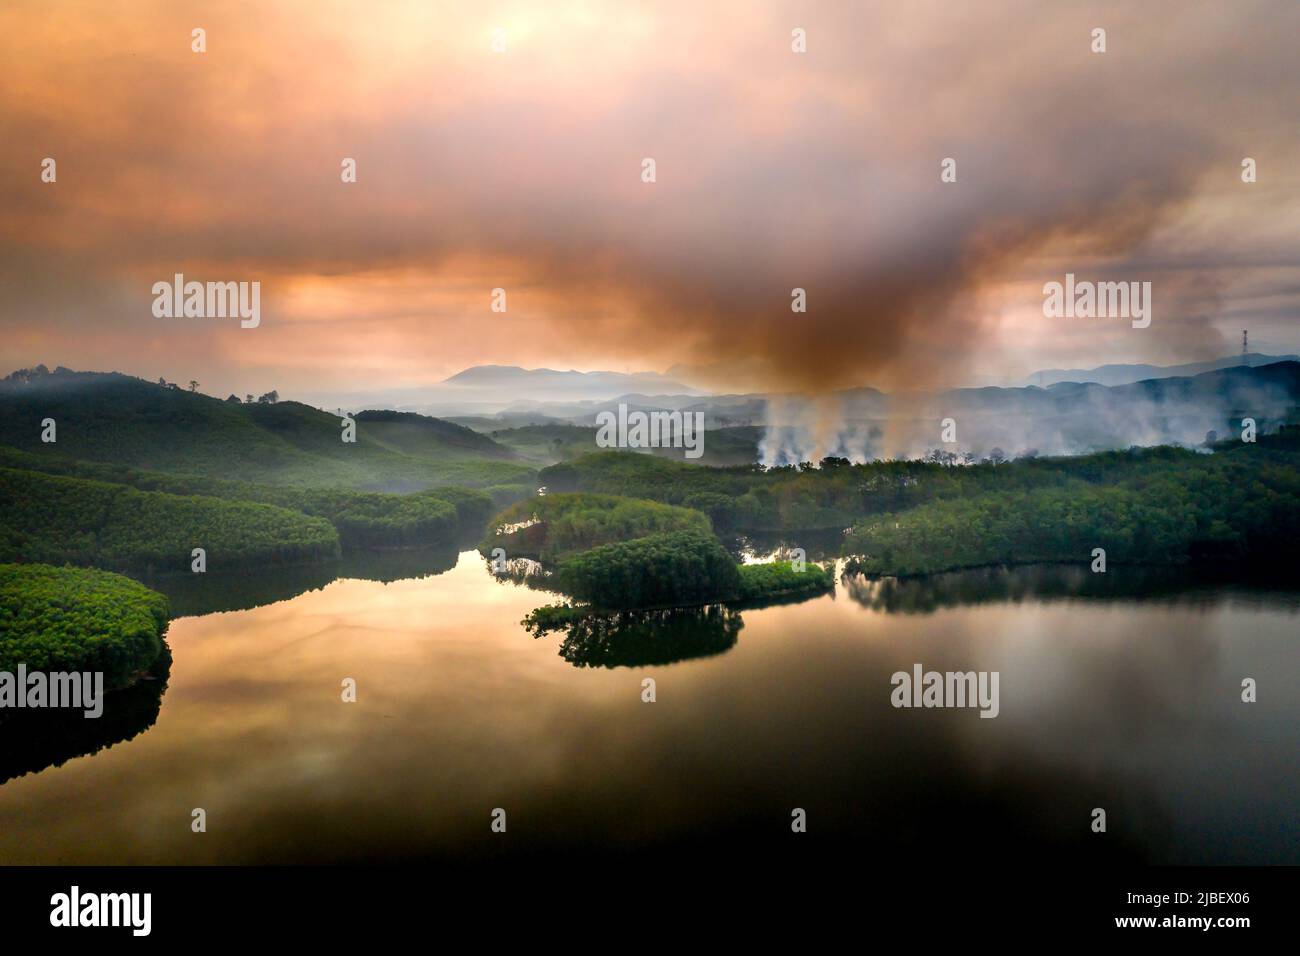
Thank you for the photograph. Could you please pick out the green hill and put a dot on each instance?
(109, 417)
(363, 519)
(59, 520)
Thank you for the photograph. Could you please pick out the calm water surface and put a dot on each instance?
(1127, 700)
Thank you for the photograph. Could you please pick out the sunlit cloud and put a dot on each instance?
(520, 170)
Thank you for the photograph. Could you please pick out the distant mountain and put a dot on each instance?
(545, 384)
(1128, 374)
(1065, 418)
(1078, 417)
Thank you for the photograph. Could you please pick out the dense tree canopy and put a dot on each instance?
(71, 520)
(671, 569)
(780, 579)
(553, 527)
(839, 495)
(114, 418)
(363, 519)
(1155, 506)
(77, 619)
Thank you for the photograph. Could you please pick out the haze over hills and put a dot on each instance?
(1127, 374)
(493, 396)
(125, 420)
(560, 385)
(1065, 418)
(485, 390)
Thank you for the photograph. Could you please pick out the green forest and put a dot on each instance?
(78, 619)
(1144, 505)
(774, 580)
(671, 569)
(1154, 506)
(617, 553)
(363, 519)
(56, 520)
(552, 527)
(117, 419)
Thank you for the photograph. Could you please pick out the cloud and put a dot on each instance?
(521, 170)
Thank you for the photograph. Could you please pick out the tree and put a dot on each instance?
(194, 386)
(270, 398)
(248, 399)
(28, 374)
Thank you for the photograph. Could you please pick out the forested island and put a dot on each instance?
(618, 553)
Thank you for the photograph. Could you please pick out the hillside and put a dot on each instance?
(1127, 374)
(60, 520)
(124, 420)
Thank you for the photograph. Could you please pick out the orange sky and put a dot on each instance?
(521, 170)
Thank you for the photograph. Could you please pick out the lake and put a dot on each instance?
(1119, 691)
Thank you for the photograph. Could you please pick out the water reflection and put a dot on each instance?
(217, 591)
(1131, 705)
(398, 565)
(526, 571)
(818, 545)
(648, 638)
(1196, 586)
(31, 740)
